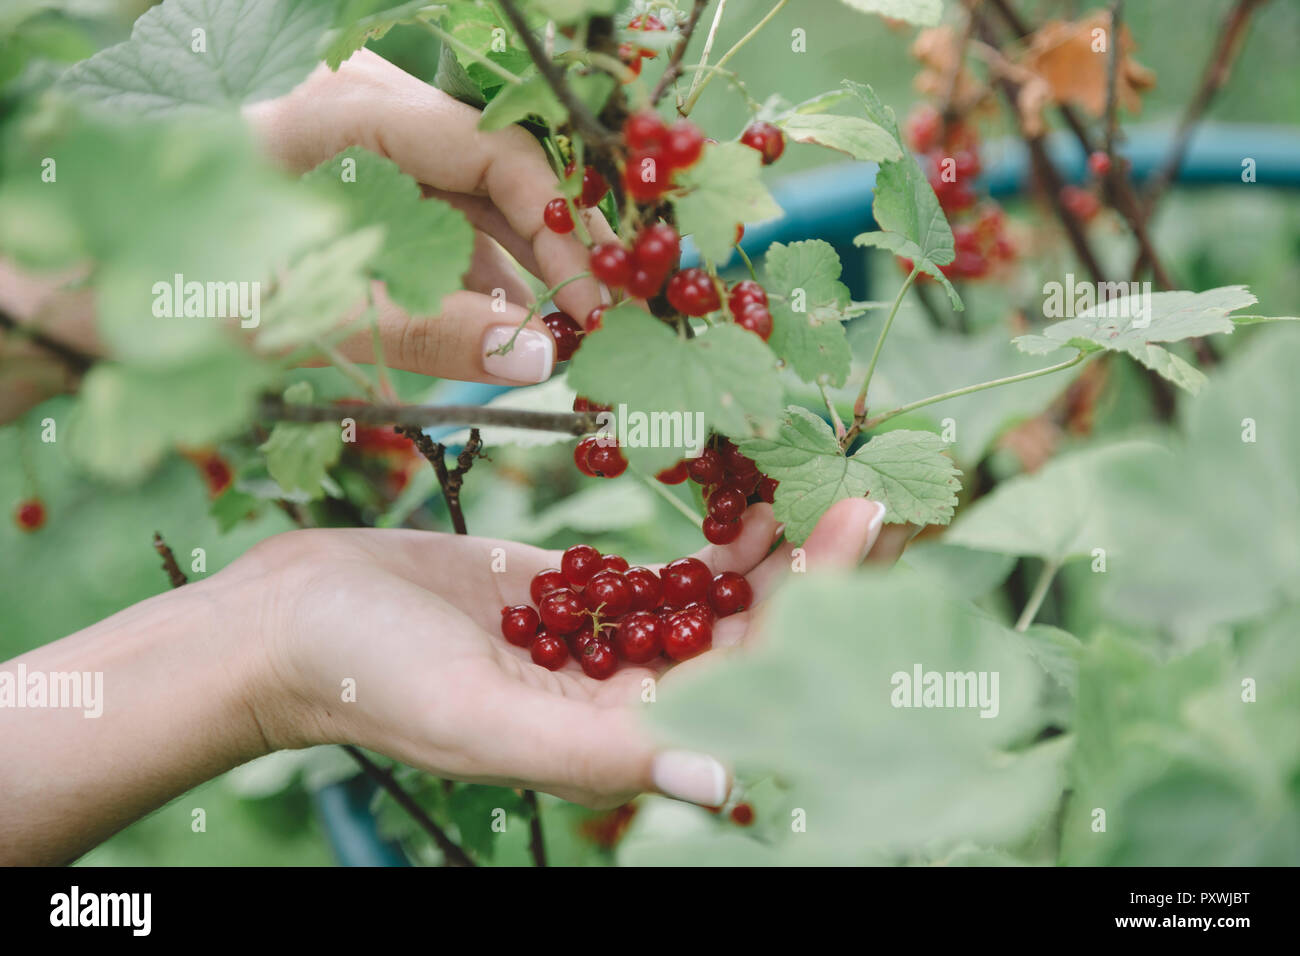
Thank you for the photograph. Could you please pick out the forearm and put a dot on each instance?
(175, 679)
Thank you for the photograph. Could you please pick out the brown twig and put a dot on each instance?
(77, 361)
(450, 480)
(674, 68)
(455, 856)
(425, 416)
(174, 573)
(536, 845)
(582, 118)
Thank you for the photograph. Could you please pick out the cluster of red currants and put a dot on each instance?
(631, 53)
(731, 482)
(597, 609)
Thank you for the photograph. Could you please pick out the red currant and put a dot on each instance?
(591, 633)
(686, 636)
(729, 593)
(30, 514)
(609, 593)
(519, 624)
(644, 129)
(611, 264)
(674, 475)
(614, 562)
(657, 249)
(643, 177)
(685, 581)
(726, 504)
(1099, 164)
(549, 651)
(707, 469)
(683, 144)
(639, 638)
(557, 216)
(579, 563)
(745, 293)
(567, 335)
(767, 489)
(757, 319)
(924, 127)
(745, 484)
(1081, 204)
(644, 284)
(598, 660)
(596, 318)
(552, 579)
(562, 611)
(737, 462)
(742, 814)
(692, 292)
(627, 52)
(606, 461)
(765, 138)
(721, 532)
(966, 163)
(594, 187)
(582, 454)
(647, 589)
(700, 610)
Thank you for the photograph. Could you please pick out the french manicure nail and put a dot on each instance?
(873, 528)
(529, 360)
(689, 776)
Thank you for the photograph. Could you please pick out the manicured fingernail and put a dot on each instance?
(873, 529)
(529, 360)
(606, 297)
(693, 777)
(780, 530)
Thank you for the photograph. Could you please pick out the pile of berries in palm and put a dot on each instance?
(599, 611)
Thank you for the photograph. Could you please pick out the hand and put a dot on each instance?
(501, 181)
(414, 619)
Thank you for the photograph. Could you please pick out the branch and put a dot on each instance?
(450, 480)
(425, 416)
(580, 116)
(77, 361)
(174, 573)
(674, 68)
(726, 57)
(536, 845)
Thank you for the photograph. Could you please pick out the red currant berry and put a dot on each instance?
(686, 636)
(646, 175)
(594, 187)
(611, 264)
(644, 284)
(519, 624)
(1099, 164)
(700, 610)
(1080, 203)
(765, 138)
(726, 504)
(966, 163)
(608, 593)
(579, 563)
(598, 660)
(557, 216)
(591, 633)
(924, 127)
(742, 814)
(674, 475)
(582, 454)
(549, 651)
(566, 333)
(606, 461)
(757, 319)
(552, 579)
(745, 484)
(767, 489)
(596, 318)
(685, 580)
(30, 514)
(737, 462)
(729, 593)
(644, 129)
(707, 469)
(614, 562)
(647, 589)
(627, 52)
(721, 532)
(639, 638)
(683, 144)
(744, 293)
(657, 249)
(692, 292)
(583, 404)
(740, 232)
(562, 611)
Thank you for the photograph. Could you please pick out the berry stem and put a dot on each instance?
(736, 48)
(1039, 593)
(674, 68)
(708, 48)
(659, 489)
(536, 844)
(860, 407)
(748, 264)
(472, 53)
(546, 296)
(347, 367)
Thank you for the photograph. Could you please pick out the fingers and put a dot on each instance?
(842, 538)
(492, 273)
(460, 343)
(742, 555)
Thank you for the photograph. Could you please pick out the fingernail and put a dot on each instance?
(780, 530)
(873, 529)
(529, 360)
(693, 777)
(605, 297)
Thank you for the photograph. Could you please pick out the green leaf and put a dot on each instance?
(1132, 324)
(427, 243)
(724, 191)
(360, 21)
(727, 376)
(601, 508)
(475, 808)
(298, 455)
(811, 340)
(127, 417)
(860, 138)
(532, 97)
(319, 290)
(252, 50)
(818, 701)
(904, 470)
(961, 573)
(925, 13)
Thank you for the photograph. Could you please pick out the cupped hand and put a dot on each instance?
(410, 621)
(501, 181)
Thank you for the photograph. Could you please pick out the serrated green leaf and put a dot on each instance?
(1132, 324)
(812, 340)
(476, 808)
(727, 376)
(299, 456)
(904, 470)
(427, 243)
(319, 290)
(254, 50)
(519, 101)
(906, 248)
(725, 190)
(859, 138)
(925, 13)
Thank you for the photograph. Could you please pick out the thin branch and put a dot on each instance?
(426, 416)
(674, 68)
(174, 573)
(860, 406)
(584, 121)
(455, 856)
(450, 480)
(536, 845)
(1041, 587)
(1112, 78)
(708, 46)
(726, 57)
(77, 361)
